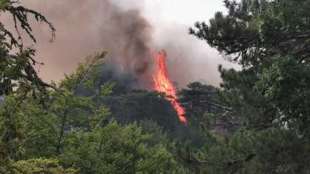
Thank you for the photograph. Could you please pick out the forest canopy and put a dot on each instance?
(256, 122)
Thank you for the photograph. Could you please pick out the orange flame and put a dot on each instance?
(163, 84)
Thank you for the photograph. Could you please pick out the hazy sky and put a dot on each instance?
(179, 11)
(170, 20)
(169, 16)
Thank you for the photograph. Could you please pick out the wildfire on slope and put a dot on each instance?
(163, 84)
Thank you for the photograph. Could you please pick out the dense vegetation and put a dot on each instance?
(257, 122)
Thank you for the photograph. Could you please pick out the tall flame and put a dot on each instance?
(163, 84)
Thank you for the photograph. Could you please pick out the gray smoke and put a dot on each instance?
(84, 27)
(88, 26)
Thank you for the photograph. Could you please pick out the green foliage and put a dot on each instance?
(274, 56)
(117, 149)
(17, 68)
(200, 100)
(286, 84)
(17, 78)
(256, 123)
(11, 128)
(42, 166)
(255, 30)
(31, 166)
(270, 94)
(86, 74)
(250, 152)
(4, 4)
(74, 130)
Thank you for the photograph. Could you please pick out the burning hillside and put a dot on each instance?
(163, 84)
(126, 31)
(128, 36)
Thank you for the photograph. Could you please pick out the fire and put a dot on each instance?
(163, 84)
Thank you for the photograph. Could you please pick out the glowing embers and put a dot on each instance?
(163, 84)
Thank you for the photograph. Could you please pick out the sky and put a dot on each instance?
(184, 12)
(170, 20)
(169, 16)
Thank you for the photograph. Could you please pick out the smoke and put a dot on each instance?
(189, 59)
(84, 27)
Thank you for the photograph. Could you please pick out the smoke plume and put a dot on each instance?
(84, 27)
